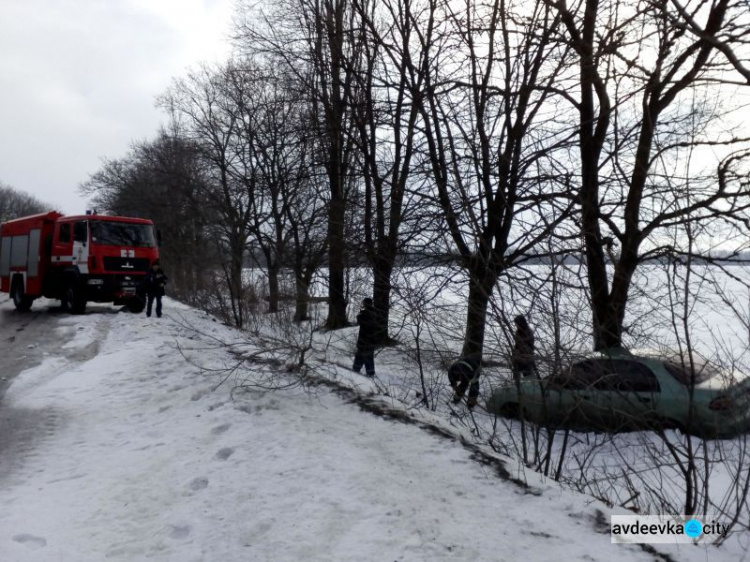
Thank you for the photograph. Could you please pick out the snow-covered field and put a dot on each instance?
(139, 455)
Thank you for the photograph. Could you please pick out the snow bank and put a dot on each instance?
(131, 452)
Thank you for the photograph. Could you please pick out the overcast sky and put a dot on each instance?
(78, 80)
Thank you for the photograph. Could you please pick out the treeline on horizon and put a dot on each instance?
(15, 203)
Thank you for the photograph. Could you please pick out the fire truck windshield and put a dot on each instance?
(122, 234)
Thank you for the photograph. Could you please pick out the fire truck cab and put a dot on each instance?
(77, 259)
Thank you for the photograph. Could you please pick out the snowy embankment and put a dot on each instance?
(138, 455)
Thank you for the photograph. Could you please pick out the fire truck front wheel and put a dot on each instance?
(136, 305)
(21, 300)
(73, 300)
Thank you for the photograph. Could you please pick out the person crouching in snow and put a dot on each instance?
(365, 354)
(463, 374)
(156, 280)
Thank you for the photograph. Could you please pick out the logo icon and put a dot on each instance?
(693, 528)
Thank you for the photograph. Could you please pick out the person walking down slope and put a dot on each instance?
(366, 340)
(156, 280)
(463, 374)
(522, 360)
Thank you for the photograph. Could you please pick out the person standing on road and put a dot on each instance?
(463, 374)
(156, 280)
(366, 340)
(522, 360)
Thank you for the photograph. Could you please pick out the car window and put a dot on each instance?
(621, 375)
(681, 370)
(583, 374)
(635, 377)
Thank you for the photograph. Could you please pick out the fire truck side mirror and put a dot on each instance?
(158, 237)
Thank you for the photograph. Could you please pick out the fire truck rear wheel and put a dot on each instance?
(21, 301)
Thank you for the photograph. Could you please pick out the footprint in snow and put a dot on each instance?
(198, 395)
(224, 453)
(198, 484)
(219, 429)
(30, 541)
(179, 531)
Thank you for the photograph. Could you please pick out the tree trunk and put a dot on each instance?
(336, 247)
(481, 283)
(594, 123)
(235, 279)
(607, 330)
(273, 287)
(382, 270)
(302, 295)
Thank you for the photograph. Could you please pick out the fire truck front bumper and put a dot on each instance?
(118, 289)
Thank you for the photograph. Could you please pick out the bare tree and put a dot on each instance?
(15, 203)
(261, 109)
(485, 100)
(384, 130)
(205, 108)
(311, 38)
(638, 66)
(288, 209)
(162, 179)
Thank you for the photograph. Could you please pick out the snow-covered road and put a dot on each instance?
(127, 451)
(26, 338)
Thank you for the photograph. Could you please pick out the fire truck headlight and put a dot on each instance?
(96, 281)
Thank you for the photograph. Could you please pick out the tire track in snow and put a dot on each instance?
(63, 343)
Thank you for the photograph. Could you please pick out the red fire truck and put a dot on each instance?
(76, 259)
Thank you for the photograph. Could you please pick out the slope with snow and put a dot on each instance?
(137, 453)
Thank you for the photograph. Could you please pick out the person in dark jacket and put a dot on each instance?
(366, 341)
(463, 374)
(522, 360)
(156, 280)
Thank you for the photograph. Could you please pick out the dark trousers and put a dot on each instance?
(527, 369)
(151, 302)
(460, 380)
(367, 358)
